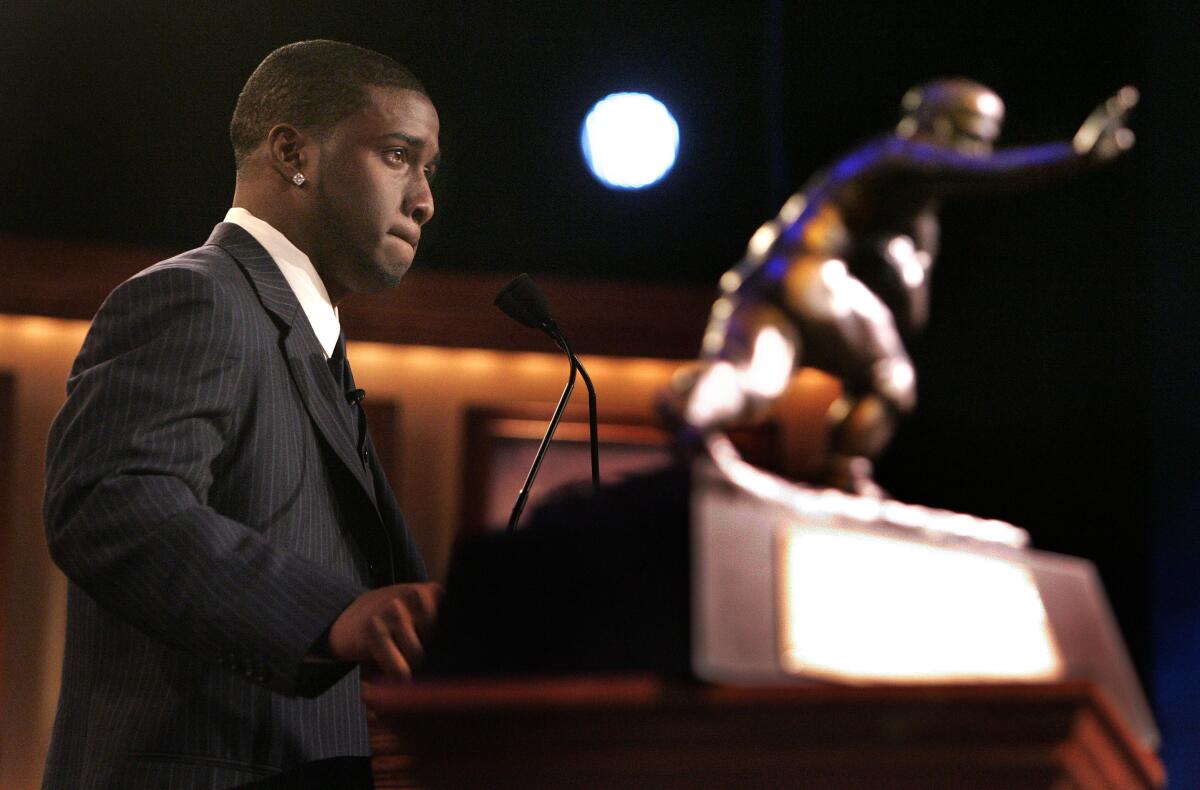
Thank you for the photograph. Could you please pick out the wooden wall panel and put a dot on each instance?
(7, 456)
(69, 279)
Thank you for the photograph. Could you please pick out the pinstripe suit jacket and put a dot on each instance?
(208, 500)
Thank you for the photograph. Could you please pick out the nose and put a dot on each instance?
(419, 200)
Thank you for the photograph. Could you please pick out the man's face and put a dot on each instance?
(371, 192)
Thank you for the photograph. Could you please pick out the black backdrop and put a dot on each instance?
(1057, 372)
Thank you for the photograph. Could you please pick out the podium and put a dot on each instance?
(689, 629)
(644, 731)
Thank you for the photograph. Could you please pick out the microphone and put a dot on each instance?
(524, 303)
(355, 396)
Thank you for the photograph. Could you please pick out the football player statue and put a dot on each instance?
(839, 280)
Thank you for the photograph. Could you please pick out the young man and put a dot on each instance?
(233, 547)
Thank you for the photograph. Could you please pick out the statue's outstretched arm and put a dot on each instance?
(1102, 137)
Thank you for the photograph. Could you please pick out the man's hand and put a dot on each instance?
(387, 627)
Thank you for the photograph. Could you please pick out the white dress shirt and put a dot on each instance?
(300, 274)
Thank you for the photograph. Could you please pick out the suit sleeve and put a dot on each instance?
(153, 405)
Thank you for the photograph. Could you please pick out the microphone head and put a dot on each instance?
(523, 302)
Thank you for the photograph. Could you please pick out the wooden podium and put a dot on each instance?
(836, 642)
(647, 732)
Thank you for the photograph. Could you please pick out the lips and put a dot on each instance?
(404, 235)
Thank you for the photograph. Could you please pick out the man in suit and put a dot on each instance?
(233, 548)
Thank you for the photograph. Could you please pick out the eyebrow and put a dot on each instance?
(416, 142)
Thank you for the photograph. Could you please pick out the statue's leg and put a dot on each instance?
(861, 430)
(849, 331)
(749, 354)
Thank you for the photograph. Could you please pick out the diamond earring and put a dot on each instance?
(298, 179)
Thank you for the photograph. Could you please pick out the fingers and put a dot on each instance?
(1113, 143)
(387, 627)
(1103, 135)
(424, 606)
(1125, 100)
(1118, 105)
(392, 642)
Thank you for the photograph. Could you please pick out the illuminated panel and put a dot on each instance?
(859, 607)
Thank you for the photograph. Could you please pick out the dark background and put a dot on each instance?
(1059, 369)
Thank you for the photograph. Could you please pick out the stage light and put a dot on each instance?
(629, 140)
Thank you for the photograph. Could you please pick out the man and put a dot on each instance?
(233, 548)
(839, 280)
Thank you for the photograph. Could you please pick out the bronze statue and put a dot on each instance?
(839, 280)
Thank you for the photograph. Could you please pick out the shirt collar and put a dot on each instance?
(300, 274)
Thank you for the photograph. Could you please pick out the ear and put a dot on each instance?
(288, 150)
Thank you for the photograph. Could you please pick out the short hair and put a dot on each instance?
(313, 85)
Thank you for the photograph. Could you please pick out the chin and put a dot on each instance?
(389, 273)
(379, 275)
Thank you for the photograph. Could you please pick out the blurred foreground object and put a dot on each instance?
(791, 582)
(956, 657)
(839, 280)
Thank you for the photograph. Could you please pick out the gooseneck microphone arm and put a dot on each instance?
(523, 497)
(523, 302)
(593, 437)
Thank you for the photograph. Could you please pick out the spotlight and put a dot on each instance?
(629, 140)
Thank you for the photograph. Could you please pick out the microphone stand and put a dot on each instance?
(519, 505)
(523, 302)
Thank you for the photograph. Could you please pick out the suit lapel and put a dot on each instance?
(305, 358)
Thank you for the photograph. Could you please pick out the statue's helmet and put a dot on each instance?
(953, 111)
